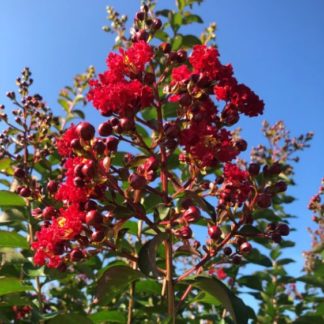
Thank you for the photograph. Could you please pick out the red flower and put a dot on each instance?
(64, 142)
(236, 186)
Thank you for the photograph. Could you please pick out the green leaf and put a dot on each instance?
(107, 316)
(149, 287)
(205, 298)
(164, 13)
(147, 255)
(285, 261)
(5, 166)
(149, 113)
(248, 230)
(176, 21)
(70, 319)
(161, 35)
(238, 310)
(114, 281)
(257, 258)
(12, 285)
(170, 110)
(79, 113)
(11, 199)
(189, 19)
(312, 280)
(188, 41)
(177, 42)
(307, 319)
(253, 282)
(163, 211)
(64, 104)
(13, 240)
(275, 253)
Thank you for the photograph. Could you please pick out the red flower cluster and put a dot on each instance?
(204, 136)
(121, 89)
(52, 239)
(236, 186)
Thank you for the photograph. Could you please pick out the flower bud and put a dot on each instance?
(192, 214)
(227, 250)
(254, 169)
(283, 229)
(97, 236)
(185, 232)
(93, 217)
(112, 144)
(85, 130)
(264, 200)
(245, 248)
(105, 129)
(137, 181)
(214, 232)
(76, 255)
(49, 212)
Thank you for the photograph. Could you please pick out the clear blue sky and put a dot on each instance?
(276, 47)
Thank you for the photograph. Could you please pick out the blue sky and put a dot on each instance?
(276, 47)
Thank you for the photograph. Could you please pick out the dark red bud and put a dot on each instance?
(192, 214)
(93, 217)
(97, 236)
(99, 147)
(264, 200)
(52, 187)
(236, 259)
(140, 15)
(181, 56)
(245, 248)
(165, 47)
(127, 124)
(137, 181)
(283, 229)
(49, 212)
(78, 182)
(105, 129)
(112, 144)
(85, 130)
(89, 169)
(185, 232)
(76, 255)
(156, 24)
(227, 250)
(281, 186)
(214, 232)
(76, 145)
(25, 192)
(19, 173)
(241, 145)
(142, 35)
(254, 169)
(90, 205)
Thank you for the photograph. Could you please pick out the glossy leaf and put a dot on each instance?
(12, 240)
(12, 285)
(240, 313)
(147, 255)
(114, 281)
(10, 199)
